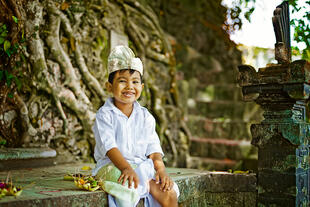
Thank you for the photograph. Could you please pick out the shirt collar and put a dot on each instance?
(110, 106)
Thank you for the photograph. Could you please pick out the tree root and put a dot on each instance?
(59, 93)
(82, 107)
(29, 130)
(62, 58)
(90, 80)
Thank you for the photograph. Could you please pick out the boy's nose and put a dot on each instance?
(129, 85)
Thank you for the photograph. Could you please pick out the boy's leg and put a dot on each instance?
(165, 199)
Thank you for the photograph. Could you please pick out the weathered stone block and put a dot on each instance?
(275, 183)
(219, 128)
(289, 133)
(211, 163)
(268, 201)
(275, 158)
(224, 109)
(231, 199)
(16, 158)
(296, 72)
(220, 148)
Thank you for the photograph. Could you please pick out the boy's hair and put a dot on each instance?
(131, 71)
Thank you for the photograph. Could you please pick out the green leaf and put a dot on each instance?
(8, 82)
(18, 64)
(2, 142)
(15, 19)
(10, 95)
(23, 57)
(8, 52)
(1, 40)
(3, 28)
(18, 83)
(6, 45)
(4, 33)
(9, 77)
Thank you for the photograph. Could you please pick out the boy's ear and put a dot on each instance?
(108, 85)
(142, 85)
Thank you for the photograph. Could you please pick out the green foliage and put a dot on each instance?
(2, 142)
(300, 24)
(15, 19)
(238, 10)
(12, 57)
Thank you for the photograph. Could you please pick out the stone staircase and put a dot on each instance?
(220, 122)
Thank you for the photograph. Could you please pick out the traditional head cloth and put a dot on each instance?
(122, 57)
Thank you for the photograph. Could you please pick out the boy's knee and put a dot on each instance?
(170, 199)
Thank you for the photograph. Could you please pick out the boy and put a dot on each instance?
(125, 135)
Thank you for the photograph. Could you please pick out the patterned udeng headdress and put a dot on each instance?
(122, 57)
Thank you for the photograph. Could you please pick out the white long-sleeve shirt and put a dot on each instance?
(135, 136)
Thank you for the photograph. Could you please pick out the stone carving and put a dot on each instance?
(281, 25)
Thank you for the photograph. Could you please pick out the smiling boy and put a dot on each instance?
(125, 135)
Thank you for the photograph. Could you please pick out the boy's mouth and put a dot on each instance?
(128, 94)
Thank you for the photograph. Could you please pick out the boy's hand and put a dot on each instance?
(130, 175)
(162, 178)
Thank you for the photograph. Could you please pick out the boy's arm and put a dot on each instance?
(158, 161)
(127, 172)
(161, 176)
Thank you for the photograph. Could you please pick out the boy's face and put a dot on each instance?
(126, 87)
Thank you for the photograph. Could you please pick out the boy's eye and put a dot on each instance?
(135, 82)
(122, 81)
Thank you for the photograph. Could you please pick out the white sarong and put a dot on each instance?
(122, 196)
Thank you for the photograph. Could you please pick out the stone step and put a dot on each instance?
(205, 163)
(221, 148)
(229, 92)
(46, 187)
(218, 128)
(16, 158)
(234, 110)
(211, 163)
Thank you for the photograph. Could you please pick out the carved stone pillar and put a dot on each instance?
(282, 138)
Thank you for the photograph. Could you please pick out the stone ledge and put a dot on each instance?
(17, 158)
(26, 153)
(46, 187)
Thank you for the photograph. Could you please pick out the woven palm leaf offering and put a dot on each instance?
(8, 189)
(72, 177)
(84, 182)
(87, 183)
